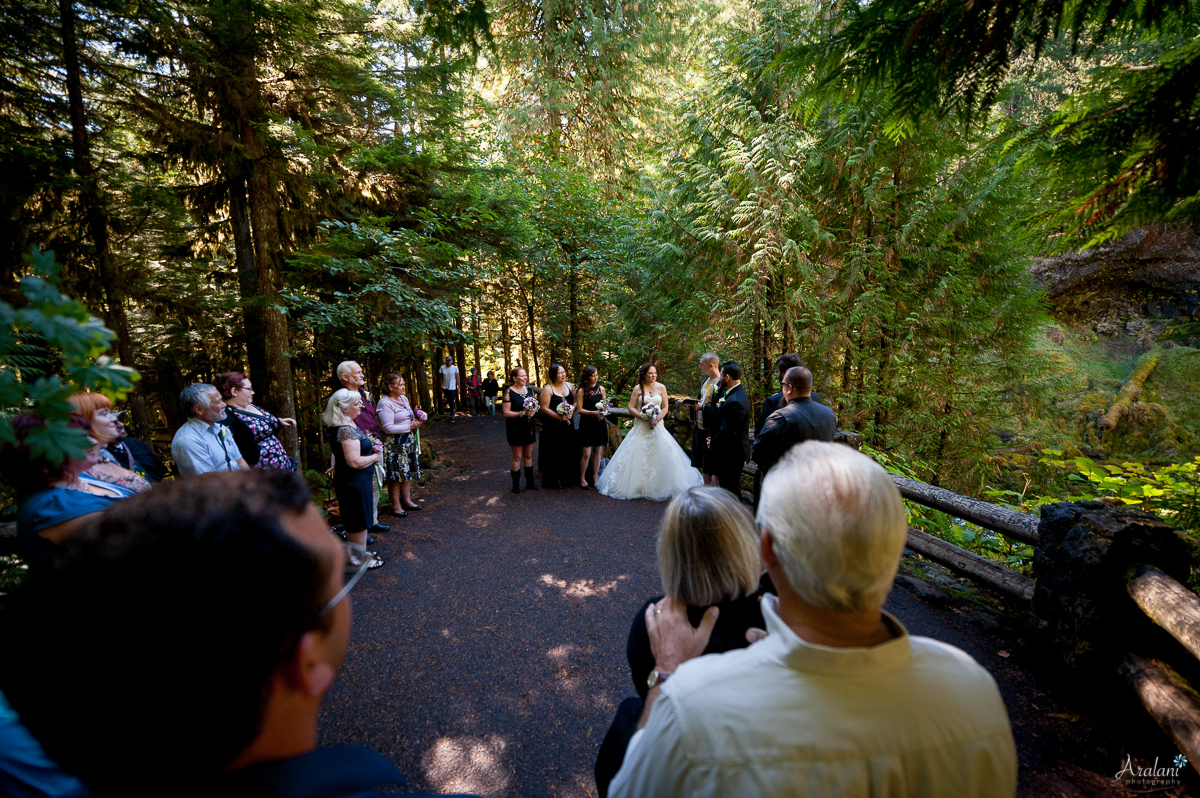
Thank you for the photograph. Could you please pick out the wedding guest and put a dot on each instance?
(557, 432)
(593, 426)
(475, 392)
(800, 419)
(54, 500)
(354, 456)
(707, 555)
(237, 393)
(401, 458)
(97, 409)
(202, 444)
(351, 377)
(135, 455)
(491, 389)
(788, 360)
(837, 698)
(221, 607)
(449, 375)
(519, 407)
(705, 412)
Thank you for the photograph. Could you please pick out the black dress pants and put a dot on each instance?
(612, 750)
(731, 480)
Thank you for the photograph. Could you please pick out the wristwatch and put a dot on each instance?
(656, 678)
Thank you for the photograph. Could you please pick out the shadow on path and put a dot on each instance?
(488, 655)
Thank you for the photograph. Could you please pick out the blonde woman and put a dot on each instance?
(708, 555)
(354, 458)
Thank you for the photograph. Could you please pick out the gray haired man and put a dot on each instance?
(837, 697)
(202, 444)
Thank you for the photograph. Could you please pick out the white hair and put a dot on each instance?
(197, 395)
(335, 408)
(344, 367)
(838, 525)
(710, 357)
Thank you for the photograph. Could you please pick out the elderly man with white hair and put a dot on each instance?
(838, 699)
(203, 444)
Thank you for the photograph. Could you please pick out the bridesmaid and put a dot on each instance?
(519, 428)
(556, 431)
(593, 428)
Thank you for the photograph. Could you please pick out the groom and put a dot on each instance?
(732, 424)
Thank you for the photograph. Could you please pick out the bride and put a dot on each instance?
(648, 464)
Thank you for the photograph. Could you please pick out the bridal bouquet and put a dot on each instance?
(530, 404)
(651, 411)
(420, 414)
(563, 409)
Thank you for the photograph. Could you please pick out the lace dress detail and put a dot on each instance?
(648, 464)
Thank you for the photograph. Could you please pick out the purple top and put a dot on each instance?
(367, 421)
(395, 417)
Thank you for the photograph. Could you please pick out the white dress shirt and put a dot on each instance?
(909, 717)
(199, 447)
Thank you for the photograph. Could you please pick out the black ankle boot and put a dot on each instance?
(516, 478)
(529, 484)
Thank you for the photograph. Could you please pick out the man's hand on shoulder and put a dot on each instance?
(673, 642)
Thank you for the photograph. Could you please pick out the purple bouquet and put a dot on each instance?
(650, 410)
(563, 409)
(605, 407)
(419, 414)
(378, 447)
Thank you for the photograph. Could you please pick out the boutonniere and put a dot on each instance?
(720, 400)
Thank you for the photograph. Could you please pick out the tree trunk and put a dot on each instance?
(475, 335)
(243, 248)
(505, 340)
(278, 391)
(533, 345)
(426, 399)
(439, 360)
(95, 212)
(574, 361)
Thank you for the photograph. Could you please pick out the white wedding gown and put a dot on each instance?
(648, 464)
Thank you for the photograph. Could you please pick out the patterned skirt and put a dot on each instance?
(401, 458)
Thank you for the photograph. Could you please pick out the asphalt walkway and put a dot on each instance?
(488, 655)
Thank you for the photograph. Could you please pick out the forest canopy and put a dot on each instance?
(276, 187)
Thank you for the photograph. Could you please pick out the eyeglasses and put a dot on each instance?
(358, 562)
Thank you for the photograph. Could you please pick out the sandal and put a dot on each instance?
(376, 562)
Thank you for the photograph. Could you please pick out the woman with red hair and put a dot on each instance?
(96, 408)
(236, 391)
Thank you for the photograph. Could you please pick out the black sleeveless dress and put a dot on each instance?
(593, 430)
(520, 431)
(555, 453)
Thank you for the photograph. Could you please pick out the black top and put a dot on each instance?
(773, 403)
(519, 431)
(344, 772)
(801, 420)
(490, 387)
(144, 460)
(243, 436)
(342, 469)
(729, 633)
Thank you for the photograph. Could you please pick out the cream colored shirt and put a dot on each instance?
(910, 717)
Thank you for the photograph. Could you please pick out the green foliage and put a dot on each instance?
(51, 347)
(1171, 491)
(984, 542)
(1120, 150)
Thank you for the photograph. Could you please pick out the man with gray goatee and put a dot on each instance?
(203, 444)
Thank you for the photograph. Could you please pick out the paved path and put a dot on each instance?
(489, 654)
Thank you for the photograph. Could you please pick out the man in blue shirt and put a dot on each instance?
(202, 445)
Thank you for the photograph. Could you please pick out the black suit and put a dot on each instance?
(729, 433)
(800, 420)
(143, 458)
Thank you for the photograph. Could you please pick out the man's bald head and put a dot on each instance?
(799, 380)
